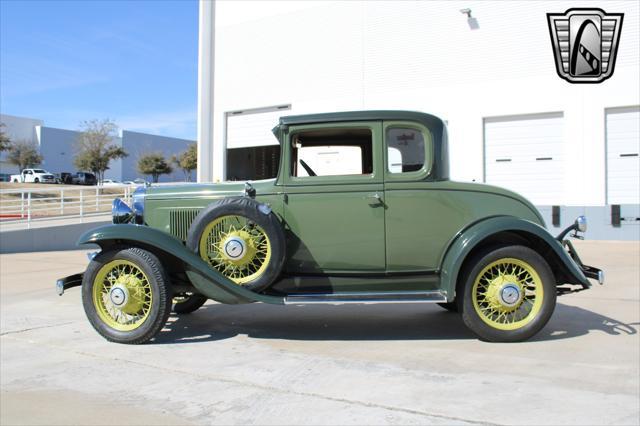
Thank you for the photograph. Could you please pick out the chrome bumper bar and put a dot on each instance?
(65, 283)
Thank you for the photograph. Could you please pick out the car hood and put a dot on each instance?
(223, 189)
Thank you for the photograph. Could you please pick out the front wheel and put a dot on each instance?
(508, 295)
(126, 295)
(36, 180)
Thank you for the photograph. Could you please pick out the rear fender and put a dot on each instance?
(207, 280)
(473, 236)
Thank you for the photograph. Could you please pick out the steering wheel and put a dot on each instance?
(308, 169)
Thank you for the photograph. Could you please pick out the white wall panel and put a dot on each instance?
(623, 156)
(525, 154)
(336, 56)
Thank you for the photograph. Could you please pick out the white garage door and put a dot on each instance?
(253, 127)
(623, 160)
(524, 154)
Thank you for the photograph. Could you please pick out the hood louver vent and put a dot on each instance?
(180, 221)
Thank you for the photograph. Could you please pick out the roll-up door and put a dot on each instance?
(623, 155)
(525, 154)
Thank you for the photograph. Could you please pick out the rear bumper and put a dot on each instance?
(593, 273)
(588, 271)
(66, 283)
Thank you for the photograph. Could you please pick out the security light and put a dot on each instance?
(473, 22)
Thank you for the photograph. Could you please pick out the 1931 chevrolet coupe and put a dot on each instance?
(362, 211)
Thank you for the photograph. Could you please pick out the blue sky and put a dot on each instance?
(131, 61)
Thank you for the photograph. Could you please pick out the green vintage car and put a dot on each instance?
(362, 211)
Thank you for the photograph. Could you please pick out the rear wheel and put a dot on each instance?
(126, 295)
(508, 295)
(36, 180)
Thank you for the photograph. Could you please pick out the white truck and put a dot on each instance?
(33, 176)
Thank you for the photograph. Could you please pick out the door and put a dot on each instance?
(333, 206)
(623, 155)
(525, 154)
(415, 229)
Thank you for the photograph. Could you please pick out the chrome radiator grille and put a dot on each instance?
(180, 221)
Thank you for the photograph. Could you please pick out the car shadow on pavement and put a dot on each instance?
(571, 321)
(360, 322)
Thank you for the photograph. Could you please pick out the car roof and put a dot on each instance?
(361, 116)
(436, 125)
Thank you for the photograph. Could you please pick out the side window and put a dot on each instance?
(332, 152)
(405, 150)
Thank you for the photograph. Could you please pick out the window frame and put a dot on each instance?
(426, 168)
(375, 127)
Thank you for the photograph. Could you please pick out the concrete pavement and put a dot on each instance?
(261, 364)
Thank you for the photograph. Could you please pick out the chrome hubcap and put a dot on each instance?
(510, 295)
(234, 248)
(119, 295)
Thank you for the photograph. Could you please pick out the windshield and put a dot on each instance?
(39, 171)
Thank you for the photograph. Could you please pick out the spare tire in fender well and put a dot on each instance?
(268, 226)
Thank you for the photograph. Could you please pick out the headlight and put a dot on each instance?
(120, 211)
(581, 224)
(138, 204)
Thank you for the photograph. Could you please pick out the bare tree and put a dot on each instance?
(24, 154)
(5, 142)
(95, 147)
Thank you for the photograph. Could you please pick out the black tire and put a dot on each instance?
(160, 307)
(449, 306)
(36, 180)
(187, 303)
(535, 323)
(258, 213)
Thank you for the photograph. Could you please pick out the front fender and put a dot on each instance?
(206, 279)
(466, 240)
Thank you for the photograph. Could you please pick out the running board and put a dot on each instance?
(366, 298)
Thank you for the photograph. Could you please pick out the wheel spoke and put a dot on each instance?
(489, 284)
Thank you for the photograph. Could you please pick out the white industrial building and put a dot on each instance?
(58, 148)
(512, 120)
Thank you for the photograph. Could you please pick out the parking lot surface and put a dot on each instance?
(351, 364)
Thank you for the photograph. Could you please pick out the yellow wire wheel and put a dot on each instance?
(237, 247)
(122, 295)
(242, 239)
(126, 295)
(507, 294)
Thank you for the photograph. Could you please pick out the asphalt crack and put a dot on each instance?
(35, 328)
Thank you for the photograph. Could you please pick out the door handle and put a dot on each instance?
(374, 199)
